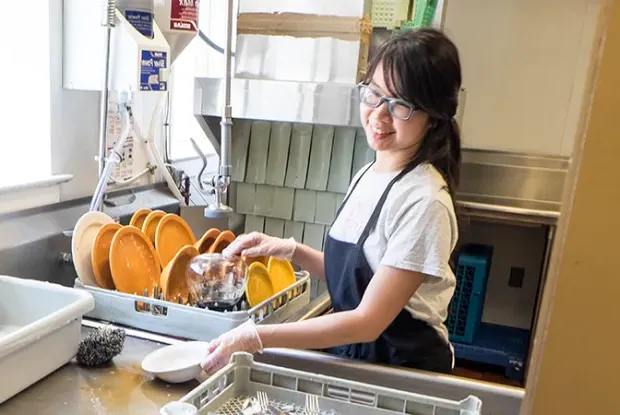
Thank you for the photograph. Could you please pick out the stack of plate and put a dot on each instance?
(154, 250)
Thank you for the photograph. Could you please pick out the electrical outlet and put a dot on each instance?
(517, 274)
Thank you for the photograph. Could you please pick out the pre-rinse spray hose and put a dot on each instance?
(155, 154)
(114, 158)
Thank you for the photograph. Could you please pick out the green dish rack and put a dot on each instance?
(423, 14)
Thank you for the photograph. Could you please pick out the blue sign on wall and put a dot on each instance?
(151, 63)
(141, 21)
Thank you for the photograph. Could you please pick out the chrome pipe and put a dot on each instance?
(109, 21)
(221, 181)
(226, 122)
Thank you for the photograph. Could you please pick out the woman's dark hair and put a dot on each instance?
(423, 67)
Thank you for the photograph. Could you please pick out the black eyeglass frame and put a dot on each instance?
(391, 102)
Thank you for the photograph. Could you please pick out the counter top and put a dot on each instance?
(120, 388)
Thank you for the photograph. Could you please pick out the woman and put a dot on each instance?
(386, 259)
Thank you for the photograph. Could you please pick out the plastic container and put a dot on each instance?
(389, 13)
(193, 323)
(466, 306)
(39, 330)
(226, 392)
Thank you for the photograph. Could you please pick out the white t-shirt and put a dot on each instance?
(416, 230)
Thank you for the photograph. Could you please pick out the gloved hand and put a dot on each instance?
(243, 338)
(258, 244)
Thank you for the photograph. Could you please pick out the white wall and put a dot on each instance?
(513, 246)
(525, 68)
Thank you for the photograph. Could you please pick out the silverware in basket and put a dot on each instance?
(312, 405)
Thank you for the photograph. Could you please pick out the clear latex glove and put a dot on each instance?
(258, 244)
(243, 338)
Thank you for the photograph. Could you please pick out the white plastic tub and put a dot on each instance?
(39, 330)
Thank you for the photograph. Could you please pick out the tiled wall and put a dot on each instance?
(288, 179)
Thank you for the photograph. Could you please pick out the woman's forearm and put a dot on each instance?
(347, 327)
(310, 260)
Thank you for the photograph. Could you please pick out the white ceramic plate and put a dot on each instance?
(176, 363)
(84, 233)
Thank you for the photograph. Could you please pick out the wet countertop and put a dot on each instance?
(120, 388)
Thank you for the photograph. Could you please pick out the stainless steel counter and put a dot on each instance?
(120, 388)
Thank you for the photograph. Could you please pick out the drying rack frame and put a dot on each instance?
(190, 322)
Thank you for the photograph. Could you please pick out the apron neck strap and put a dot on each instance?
(372, 221)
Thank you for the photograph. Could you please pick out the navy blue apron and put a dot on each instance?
(407, 341)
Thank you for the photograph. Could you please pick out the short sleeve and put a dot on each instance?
(420, 237)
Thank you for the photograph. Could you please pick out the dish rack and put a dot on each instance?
(191, 322)
(229, 391)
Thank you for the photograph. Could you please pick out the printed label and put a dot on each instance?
(184, 15)
(123, 170)
(141, 21)
(151, 64)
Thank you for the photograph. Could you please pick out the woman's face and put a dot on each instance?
(386, 133)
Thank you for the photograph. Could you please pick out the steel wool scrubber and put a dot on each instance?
(100, 346)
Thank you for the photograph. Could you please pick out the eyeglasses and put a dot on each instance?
(398, 108)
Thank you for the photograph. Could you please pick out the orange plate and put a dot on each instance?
(172, 234)
(207, 240)
(101, 255)
(173, 281)
(137, 219)
(223, 240)
(149, 227)
(134, 262)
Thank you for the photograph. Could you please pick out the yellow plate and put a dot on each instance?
(204, 243)
(173, 280)
(101, 255)
(149, 227)
(281, 273)
(259, 287)
(137, 219)
(133, 261)
(172, 234)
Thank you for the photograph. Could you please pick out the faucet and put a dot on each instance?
(220, 182)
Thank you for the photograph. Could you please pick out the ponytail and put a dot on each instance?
(441, 147)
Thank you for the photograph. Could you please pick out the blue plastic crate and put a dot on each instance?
(497, 345)
(465, 311)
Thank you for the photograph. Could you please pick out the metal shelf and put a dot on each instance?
(303, 102)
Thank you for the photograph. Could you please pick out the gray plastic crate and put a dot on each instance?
(226, 392)
(178, 320)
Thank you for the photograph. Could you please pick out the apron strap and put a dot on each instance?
(352, 189)
(372, 221)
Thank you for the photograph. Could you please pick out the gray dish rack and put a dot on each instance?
(191, 322)
(228, 391)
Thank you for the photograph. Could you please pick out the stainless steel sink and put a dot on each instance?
(497, 399)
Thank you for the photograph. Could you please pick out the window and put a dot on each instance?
(25, 77)
(197, 60)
